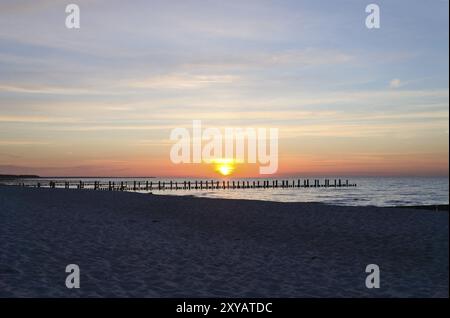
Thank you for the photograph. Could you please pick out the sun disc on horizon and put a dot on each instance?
(224, 167)
(225, 170)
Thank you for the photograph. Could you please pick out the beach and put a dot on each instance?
(143, 245)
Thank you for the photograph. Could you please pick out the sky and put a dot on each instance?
(102, 100)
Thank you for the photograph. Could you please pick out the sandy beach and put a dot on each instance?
(141, 245)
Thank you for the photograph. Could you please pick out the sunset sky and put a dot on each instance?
(102, 100)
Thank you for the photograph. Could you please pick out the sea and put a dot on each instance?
(369, 191)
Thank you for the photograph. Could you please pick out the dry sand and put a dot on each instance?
(136, 245)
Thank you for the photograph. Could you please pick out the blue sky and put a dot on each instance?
(106, 95)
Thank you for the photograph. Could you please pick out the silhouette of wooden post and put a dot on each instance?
(340, 184)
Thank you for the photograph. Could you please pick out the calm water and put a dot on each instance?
(378, 191)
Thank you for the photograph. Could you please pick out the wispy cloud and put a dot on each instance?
(395, 83)
(23, 143)
(36, 119)
(183, 81)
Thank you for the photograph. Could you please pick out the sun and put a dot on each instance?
(224, 166)
(225, 170)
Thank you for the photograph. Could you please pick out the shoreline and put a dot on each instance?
(131, 245)
(430, 207)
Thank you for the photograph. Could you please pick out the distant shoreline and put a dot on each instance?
(18, 176)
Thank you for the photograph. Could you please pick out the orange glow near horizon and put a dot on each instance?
(294, 165)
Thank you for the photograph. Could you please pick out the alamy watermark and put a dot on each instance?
(238, 145)
(373, 19)
(73, 279)
(373, 279)
(73, 17)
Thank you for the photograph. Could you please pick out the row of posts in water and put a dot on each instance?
(199, 185)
